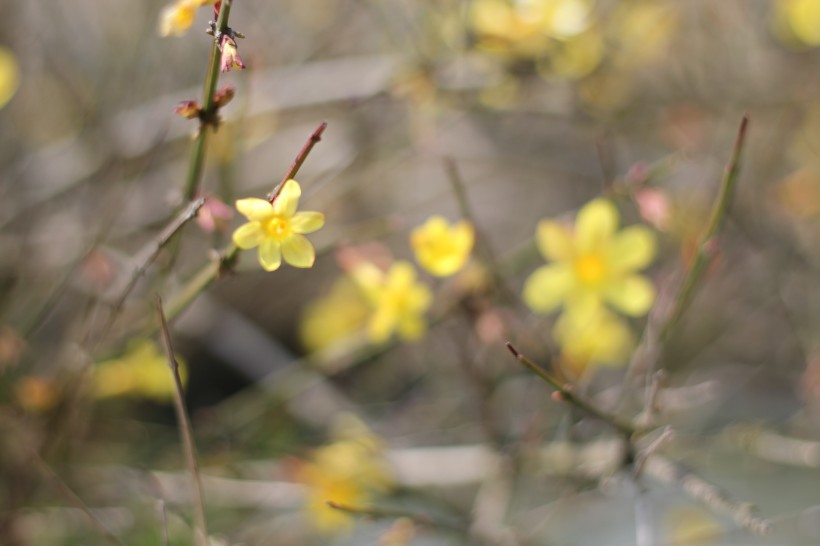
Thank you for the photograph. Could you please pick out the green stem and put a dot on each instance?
(192, 182)
(705, 249)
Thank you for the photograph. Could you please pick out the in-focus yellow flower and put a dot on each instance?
(177, 18)
(349, 471)
(397, 299)
(440, 248)
(277, 229)
(592, 264)
(141, 372)
(9, 76)
(591, 337)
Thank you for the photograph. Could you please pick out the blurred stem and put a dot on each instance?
(65, 490)
(193, 181)
(705, 249)
(382, 513)
(185, 430)
(566, 393)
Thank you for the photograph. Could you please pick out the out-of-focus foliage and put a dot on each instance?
(582, 144)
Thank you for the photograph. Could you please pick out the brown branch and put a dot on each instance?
(567, 394)
(300, 159)
(381, 513)
(185, 430)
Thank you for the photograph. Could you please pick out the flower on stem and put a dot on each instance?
(230, 54)
(440, 248)
(277, 229)
(397, 299)
(592, 264)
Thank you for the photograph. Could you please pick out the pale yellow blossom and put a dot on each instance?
(440, 248)
(278, 229)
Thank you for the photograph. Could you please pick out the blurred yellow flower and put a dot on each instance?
(397, 299)
(690, 526)
(141, 372)
(440, 248)
(335, 318)
(528, 28)
(177, 18)
(797, 22)
(9, 76)
(592, 337)
(592, 264)
(277, 229)
(349, 471)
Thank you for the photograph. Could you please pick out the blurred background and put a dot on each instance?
(500, 112)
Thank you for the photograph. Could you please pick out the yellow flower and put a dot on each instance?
(335, 318)
(592, 337)
(440, 248)
(349, 471)
(277, 229)
(176, 19)
(398, 301)
(593, 264)
(9, 76)
(141, 371)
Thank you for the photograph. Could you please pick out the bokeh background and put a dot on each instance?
(536, 107)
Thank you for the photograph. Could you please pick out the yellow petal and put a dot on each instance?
(248, 235)
(412, 327)
(419, 298)
(298, 251)
(596, 223)
(307, 222)
(254, 208)
(270, 255)
(554, 241)
(287, 201)
(401, 276)
(632, 295)
(631, 249)
(381, 325)
(547, 287)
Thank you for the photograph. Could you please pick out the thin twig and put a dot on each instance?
(705, 248)
(185, 430)
(482, 243)
(150, 252)
(382, 513)
(706, 493)
(72, 497)
(568, 395)
(314, 139)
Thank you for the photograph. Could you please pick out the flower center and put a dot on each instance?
(590, 269)
(278, 227)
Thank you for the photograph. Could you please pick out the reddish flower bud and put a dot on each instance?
(189, 109)
(224, 96)
(230, 54)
